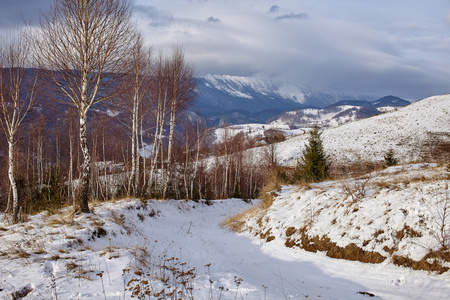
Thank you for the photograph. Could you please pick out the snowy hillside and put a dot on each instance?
(414, 132)
(394, 212)
(325, 117)
(338, 113)
(397, 216)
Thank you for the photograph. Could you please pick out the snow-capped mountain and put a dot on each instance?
(232, 99)
(338, 113)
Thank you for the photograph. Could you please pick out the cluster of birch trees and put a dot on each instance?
(86, 53)
(89, 112)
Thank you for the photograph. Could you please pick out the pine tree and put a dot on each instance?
(314, 164)
(390, 159)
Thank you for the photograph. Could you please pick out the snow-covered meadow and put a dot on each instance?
(121, 244)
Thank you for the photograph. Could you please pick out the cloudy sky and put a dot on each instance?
(381, 47)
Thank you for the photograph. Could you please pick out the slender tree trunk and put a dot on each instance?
(155, 150)
(132, 182)
(144, 178)
(107, 182)
(12, 181)
(86, 174)
(170, 147)
(70, 185)
(157, 146)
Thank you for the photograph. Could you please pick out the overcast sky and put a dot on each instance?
(398, 47)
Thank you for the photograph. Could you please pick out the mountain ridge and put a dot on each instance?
(221, 96)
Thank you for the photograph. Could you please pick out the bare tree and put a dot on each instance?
(136, 107)
(159, 103)
(17, 94)
(182, 93)
(85, 48)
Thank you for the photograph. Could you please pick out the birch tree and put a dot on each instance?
(182, 93)
(136, 107)
(159, 101)
(17, 94)
(84, 47)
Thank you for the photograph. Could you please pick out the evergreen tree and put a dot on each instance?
(390, 159)
(314, 164)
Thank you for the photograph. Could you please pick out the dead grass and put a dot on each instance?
(290, 231)
(236, 223)
(324, 244)
(267, 195)
(22, 254)
(71, 266)
(270, 238)
(432, 262)
(378, 232)
(389, 250)
(407, 232)
(62, 218)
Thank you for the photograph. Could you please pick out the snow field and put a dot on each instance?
(96, 255)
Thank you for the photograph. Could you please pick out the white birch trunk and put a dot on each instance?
(170, 147)
(15, 202)
(86, 173)
(131, 182)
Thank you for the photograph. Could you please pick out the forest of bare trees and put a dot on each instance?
(88, 112)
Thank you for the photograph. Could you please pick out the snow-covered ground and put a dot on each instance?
(95, 256)
(252, 131)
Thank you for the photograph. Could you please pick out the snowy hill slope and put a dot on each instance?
(325, 117)
(338, 113)
(415, 132)
(388, 214)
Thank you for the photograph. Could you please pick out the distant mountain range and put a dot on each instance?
(224, 99)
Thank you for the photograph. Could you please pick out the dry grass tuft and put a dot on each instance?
(22, 254)
(290, 231)
(64, 218)
(270, 238)
(324, 244)
(71, 266)
(267, 196)
(432, 262)
(407, 232)
(236, 223)
(265, 234)
(378, 232)
(389, 250)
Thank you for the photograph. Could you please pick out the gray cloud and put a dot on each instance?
(157, 18)
(13, 13)
(274, 9)
(291, 16)
(214, 20)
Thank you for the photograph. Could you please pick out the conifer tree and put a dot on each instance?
(390, 159)
(314, 164)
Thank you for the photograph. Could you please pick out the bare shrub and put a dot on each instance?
(441, 213)
(357, 189)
